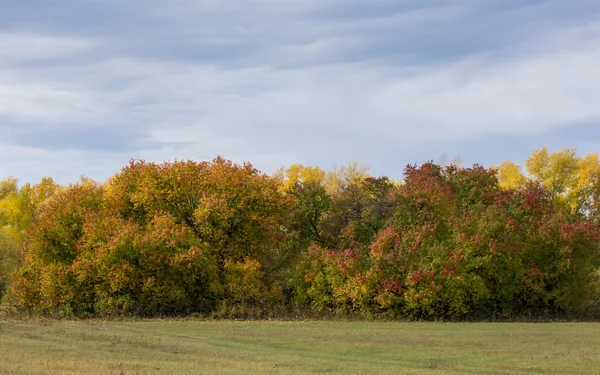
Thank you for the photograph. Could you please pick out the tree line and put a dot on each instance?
(186, 237)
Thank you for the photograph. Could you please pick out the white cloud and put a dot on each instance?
(298, 99)
(478, 96)
(45, 102)
(15, 47)
(25, 95)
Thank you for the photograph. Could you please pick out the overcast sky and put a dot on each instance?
(87, 85)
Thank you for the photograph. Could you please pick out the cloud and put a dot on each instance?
(16, 47)
(278, 82)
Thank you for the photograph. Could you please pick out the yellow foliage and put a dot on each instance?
(510, 176)
(585, 194)
(299, 173)
(354, 173)
(7, 186)
(19, 206)
(557, 171)
(573, 181)
(244, 283)
(9, 256)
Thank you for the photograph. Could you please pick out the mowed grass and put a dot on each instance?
(229, 347)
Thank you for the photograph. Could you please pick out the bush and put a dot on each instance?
(9, 256)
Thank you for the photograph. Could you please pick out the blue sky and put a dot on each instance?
(86, 85)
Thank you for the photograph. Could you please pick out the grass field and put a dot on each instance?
(228, 347)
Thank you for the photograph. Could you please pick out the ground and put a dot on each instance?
(230, 347)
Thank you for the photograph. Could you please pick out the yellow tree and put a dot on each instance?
(510, 175)
(9, 255)
(573, 181)
(557, 171)
(354, 173)
(584, 196)
(299, 173)
(17, 210)
(7, 186)
(19, 205)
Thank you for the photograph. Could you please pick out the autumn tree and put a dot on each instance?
(510, 175)
(458, 246)
(155, 239)
(18, 206)
(571, 180)
(341, 177)
(9, 255)
(300, 174)
(449, 242)
(557, 171)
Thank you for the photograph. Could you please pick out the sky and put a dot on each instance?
(87, 85)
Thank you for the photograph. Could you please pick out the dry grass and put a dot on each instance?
(228, 347)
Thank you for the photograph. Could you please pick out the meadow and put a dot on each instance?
(307, 347)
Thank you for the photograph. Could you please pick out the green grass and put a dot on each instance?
(228, 347)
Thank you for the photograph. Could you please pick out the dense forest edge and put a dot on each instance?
(220, 239)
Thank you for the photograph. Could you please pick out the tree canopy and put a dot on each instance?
(186, 237)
